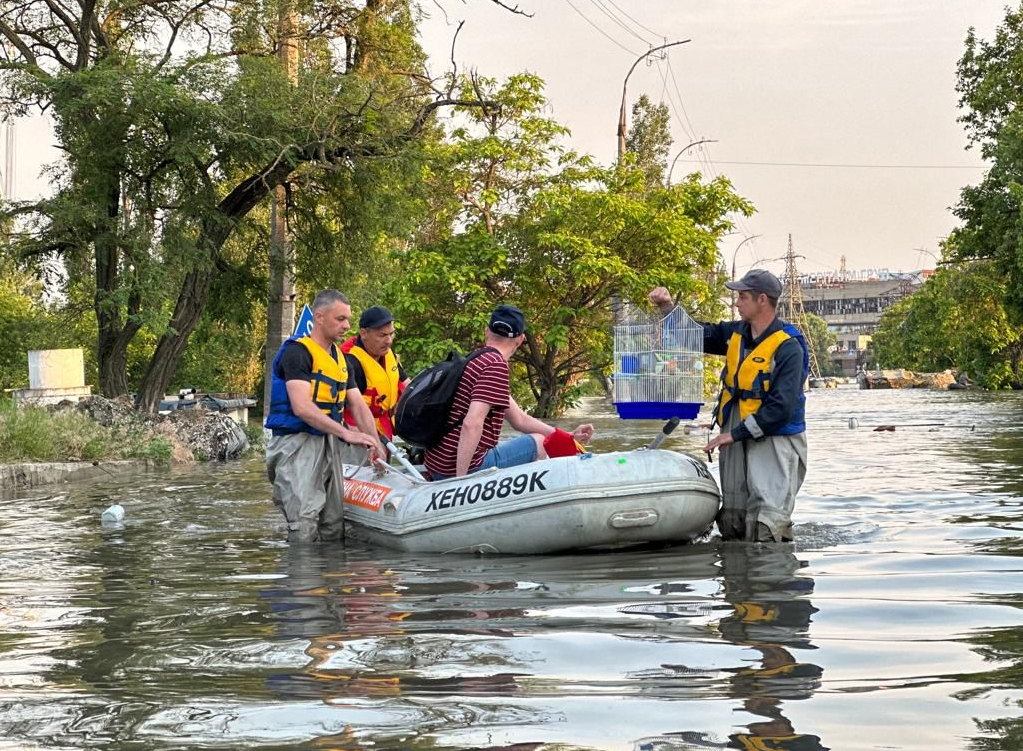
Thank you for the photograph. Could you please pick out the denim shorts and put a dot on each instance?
(521, 450)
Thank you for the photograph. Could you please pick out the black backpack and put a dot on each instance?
(421, 417)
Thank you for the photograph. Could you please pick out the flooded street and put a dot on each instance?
(895, 622)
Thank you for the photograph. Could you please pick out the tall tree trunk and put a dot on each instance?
(112, 348)
(195, 292)
(365, 44)
(280, 307)
(546, 403)
(112, 359)
(195, 288)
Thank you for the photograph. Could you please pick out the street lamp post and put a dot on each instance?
(734, 254)
(937, 261)
(625, 84)
(683, 151)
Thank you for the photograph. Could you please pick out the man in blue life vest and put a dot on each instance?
(375, 368)
(309, 389)
(761, 413)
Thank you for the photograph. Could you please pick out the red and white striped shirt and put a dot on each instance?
(486, 378)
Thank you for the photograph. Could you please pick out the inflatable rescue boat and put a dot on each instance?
(568, 503)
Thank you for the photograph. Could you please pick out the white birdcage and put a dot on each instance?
(658, 368)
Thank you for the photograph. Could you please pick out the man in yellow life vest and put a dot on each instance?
(761, 413)
(310, 386)
(375, 368)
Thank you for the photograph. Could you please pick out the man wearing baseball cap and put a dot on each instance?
(375, 368)
(482, 403)
(761, 413)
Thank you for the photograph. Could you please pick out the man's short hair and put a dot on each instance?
(327, 298)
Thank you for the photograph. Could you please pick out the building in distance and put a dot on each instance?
(851, 303)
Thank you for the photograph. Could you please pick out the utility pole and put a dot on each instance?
(625, 84)
(734, 254)
(280, 308)
(683, 151)
(792, 306)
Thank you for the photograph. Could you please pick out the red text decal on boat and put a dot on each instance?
(366, 494)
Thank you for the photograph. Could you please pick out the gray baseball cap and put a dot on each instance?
(758, 280)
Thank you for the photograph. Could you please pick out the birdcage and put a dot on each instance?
(658, 365)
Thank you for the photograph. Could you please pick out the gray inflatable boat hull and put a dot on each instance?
(588, 501)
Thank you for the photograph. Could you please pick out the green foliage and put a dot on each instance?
(23, 324)
(546, 229)
(822, 338)
(257, 439)
(649, 140)
(28, 323)
(968, 315)
(39, 435)
(959, 319)
(989, 84)
(176, 121)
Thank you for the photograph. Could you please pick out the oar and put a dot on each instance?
(665, 432)
(400, 455)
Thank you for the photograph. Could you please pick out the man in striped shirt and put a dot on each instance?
(482, 403)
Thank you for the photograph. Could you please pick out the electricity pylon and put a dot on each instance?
(792, 306)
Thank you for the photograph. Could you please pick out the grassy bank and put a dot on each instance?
(34, 434)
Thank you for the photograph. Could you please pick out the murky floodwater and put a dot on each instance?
(895, 622)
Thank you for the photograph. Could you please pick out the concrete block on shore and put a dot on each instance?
(30, 474)
(54, 375)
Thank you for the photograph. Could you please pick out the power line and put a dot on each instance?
(600, 30)
(685, 123)
(681, 101)
(848, 165)
(603, 9)
(671, 100)
(704, 155)
(645, 28)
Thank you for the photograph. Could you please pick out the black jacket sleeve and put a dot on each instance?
(783, 397)
(716, 336)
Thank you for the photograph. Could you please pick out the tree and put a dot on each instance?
(989, 84)
(176, 120)
(546, 229)
(823, 339)
(649, 139)
(957, 320)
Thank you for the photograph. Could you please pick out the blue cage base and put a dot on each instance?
(658, 410)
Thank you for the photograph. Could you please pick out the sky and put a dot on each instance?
(777, 85)
(837, 120)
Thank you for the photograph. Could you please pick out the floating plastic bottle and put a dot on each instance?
(113, 515)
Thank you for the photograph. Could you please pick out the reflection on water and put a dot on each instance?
(894, 622)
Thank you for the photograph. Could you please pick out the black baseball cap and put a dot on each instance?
(507, 321)
(758, 280)
(375, 317)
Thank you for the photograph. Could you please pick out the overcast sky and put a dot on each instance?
(790, 82)
(779, 85)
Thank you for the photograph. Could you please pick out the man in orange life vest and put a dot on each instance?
(375, 368)
(761, 412)
(310, 384)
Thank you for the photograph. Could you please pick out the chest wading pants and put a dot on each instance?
(759, 482)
